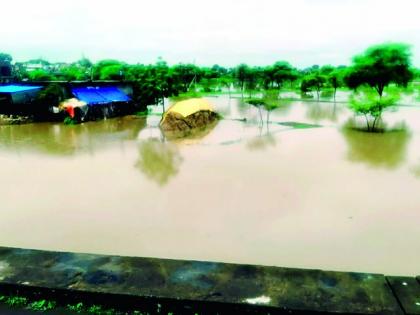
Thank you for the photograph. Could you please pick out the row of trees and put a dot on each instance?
(376, 68)
(370, 75)
(181, 77)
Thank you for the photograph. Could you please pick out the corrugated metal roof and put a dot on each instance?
(12, 88)
(100, 94)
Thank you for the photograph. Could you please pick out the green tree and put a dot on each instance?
(145, 90)
(20, 71)
(41, 75)
(164, 82)
(370, 106)
(51, 94)
(109, 69)
(226, 82)
(185, 75)
(74, 72)
(282, 72)
(314, 81)
(252, 79)
(153, 83)
(112, 72)
(241, 73)
(380, 66)
(5, 58)
(416, 73)
(218, 71)
(334, 77)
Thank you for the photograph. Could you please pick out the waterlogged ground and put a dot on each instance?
(300, 191)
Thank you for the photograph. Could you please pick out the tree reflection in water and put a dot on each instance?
(57, 139)
(261, 142)
(158, 160)
(323, 111)
(381, 150)
(415, 170)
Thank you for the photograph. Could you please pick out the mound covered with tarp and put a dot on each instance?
(70, 106)
(187, 116)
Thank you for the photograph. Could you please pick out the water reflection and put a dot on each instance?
(191, 135)
(242, 108)
(284, 106)
(234, 182)
(382, 150)
(261, 142)
(415, 170)
(158, 160)
(317, 111)
(60, 139)
(268, 107)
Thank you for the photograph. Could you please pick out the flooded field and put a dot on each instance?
(298, 191)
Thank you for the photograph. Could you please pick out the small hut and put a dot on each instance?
(101, 102)
(18, 99)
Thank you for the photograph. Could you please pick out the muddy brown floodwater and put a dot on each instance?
(300, 191)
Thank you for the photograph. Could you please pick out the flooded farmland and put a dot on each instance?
(294, 190)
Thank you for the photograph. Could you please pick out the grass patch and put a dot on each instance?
(299, 125)
(14, 301)
(143, 113)
(69, 121)
(42, 305)
(23, 302)
(20, 302)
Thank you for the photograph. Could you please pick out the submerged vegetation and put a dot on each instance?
(371, 107)
(378, 68)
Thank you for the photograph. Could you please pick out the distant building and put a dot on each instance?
(32, 65)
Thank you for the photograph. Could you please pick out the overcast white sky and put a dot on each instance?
(258, 32)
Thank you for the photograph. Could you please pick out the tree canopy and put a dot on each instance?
(5, 58)
(281, 72)
(41, 75)
(313, 81)
(377, 67)
(380, 66)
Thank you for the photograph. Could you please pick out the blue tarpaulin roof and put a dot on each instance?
(17, 88)
(99, 94)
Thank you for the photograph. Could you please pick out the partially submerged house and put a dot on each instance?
(101, 102)
(18, 99)
(80, 100)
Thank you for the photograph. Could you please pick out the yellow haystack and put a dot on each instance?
(189, 107)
